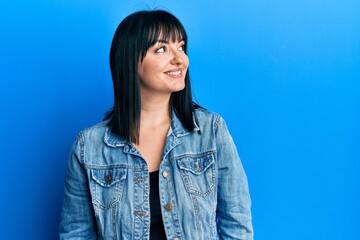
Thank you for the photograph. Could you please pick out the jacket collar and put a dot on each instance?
(178, 129)
(113, 140)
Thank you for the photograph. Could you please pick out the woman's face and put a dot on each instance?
(163, 68)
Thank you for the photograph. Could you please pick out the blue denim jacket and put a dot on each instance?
(203, 187)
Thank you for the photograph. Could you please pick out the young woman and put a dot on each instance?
(159, 166)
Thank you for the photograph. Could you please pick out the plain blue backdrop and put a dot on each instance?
(284, 75)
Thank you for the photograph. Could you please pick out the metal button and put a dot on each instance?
(168, 207)
(108, 178)
(165, 174)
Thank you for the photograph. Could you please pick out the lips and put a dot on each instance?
(174, 73)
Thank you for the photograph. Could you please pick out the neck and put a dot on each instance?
(155, 111)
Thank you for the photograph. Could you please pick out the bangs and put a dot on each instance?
(161, 27)
(164, 32)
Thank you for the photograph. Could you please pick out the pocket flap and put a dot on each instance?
(108, 177)
(196, 164)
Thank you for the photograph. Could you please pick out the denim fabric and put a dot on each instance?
(203, 187)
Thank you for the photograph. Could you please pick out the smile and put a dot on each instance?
(174, 73)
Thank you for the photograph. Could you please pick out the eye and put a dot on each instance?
(182, 48)
(161, 49)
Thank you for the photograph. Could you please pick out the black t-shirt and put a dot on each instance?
(157, 231)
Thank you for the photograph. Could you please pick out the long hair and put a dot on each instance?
(133, 37)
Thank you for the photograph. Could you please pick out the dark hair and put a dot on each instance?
(133, 37)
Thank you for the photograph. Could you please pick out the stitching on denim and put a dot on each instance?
(196, 208)
(212, 151)
(217, 121)
(114, 222)
(137, 206)
(82, 148)
(146, 229)
(191, 190)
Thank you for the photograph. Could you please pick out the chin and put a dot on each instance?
(178, 88)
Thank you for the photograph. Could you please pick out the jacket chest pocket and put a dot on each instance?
(198, 173)
(107, 186)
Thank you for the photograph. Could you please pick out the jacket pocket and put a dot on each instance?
(107, 186)
(198, 173)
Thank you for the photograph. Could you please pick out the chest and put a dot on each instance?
(151, 146)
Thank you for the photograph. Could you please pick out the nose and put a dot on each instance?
(176, 57)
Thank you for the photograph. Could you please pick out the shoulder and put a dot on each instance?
(206, 118)
(100, 135)
(89, 138)
(94, 129)
(93, 133)
(205, 114)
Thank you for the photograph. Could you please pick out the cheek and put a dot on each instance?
(145, 68)
(186, 61)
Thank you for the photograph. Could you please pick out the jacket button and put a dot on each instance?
(108, 178)
(168, 207)
(165, 174)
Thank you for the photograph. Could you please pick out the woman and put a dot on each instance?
(159, 166)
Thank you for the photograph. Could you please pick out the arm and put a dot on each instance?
(233, 205)
(77, 217)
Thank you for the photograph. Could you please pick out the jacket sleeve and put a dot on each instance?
(77, 217)
(234, 219)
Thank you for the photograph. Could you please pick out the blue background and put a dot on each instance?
(284, 74)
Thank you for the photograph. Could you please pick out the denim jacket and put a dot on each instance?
(203, 187)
